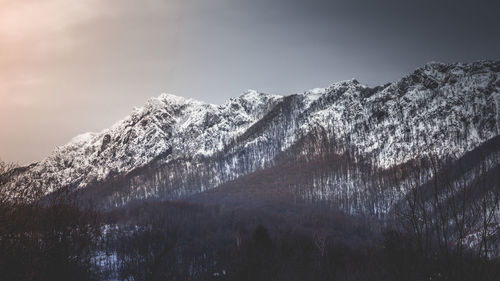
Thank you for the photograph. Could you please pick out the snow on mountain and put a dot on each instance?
(441, 109)
(168, 126)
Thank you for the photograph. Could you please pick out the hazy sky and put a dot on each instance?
(68, 67)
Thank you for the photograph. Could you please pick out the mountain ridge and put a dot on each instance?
(442, 109)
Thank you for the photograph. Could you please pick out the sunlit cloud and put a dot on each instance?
(68, 58)
(27, 19)
(32, 33)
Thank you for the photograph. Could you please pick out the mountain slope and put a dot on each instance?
(173, 147)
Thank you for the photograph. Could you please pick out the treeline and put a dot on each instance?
(179, 241)
(456, 210)
(48, 242)
(182, 241)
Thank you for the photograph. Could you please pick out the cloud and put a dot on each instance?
(34, 35)
(22, 20)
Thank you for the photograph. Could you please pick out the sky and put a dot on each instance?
(69, 67)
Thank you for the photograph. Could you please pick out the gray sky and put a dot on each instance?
(67, 67)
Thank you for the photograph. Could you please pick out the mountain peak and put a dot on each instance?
(171, 98)
(255, 96)
(345, 83)
(250, 92)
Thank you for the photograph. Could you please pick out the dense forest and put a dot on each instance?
(181, 241)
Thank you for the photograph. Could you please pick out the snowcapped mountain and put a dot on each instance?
(166, 126)
(173, 147)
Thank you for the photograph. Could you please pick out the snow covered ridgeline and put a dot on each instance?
(442, 109)
(168, 126)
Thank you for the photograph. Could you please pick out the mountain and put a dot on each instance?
(347, 139)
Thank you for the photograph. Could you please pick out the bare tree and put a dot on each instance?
(320, 238)
(487, 208)
(6, 166)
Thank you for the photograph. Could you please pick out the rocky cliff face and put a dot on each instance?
(173, 147)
